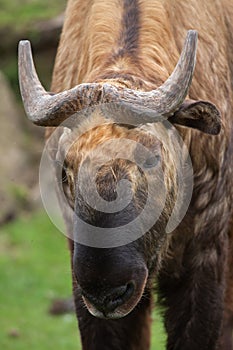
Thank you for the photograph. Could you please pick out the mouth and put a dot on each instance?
(117, 302)
(110, 306)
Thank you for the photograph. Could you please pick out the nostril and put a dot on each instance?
(125, 293)
(118, 297)
(117, 293)
(108, 302)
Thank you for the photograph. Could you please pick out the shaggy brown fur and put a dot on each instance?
(136, 44)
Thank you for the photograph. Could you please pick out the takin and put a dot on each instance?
(130, 119)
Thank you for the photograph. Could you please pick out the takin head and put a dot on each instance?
(110, 172)
(120, 173)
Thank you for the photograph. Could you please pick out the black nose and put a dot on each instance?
(107, 302)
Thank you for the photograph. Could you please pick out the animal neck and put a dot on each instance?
(118, 44)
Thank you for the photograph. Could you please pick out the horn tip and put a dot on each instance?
(24, 45)
(192, 33)
(24, 42)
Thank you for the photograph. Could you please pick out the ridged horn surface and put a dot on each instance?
(46, 109)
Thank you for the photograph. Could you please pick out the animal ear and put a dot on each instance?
(200, 115)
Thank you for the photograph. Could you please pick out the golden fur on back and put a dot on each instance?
(90, 38)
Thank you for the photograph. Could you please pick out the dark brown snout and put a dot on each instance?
(111, 281)
(110, 300)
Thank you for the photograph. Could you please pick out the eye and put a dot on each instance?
(64, 175)
(151, 162)
(61, 171)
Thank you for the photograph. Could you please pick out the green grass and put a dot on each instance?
(18, 13)
(35, 269)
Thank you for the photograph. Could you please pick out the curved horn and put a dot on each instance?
(168, 97)
(48, 109)
(44, 108)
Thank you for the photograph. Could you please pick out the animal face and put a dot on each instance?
(122, 168)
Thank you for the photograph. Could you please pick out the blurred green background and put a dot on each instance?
(34, 257)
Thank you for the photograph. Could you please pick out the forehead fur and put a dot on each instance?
(98, 141)
(96, 130)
